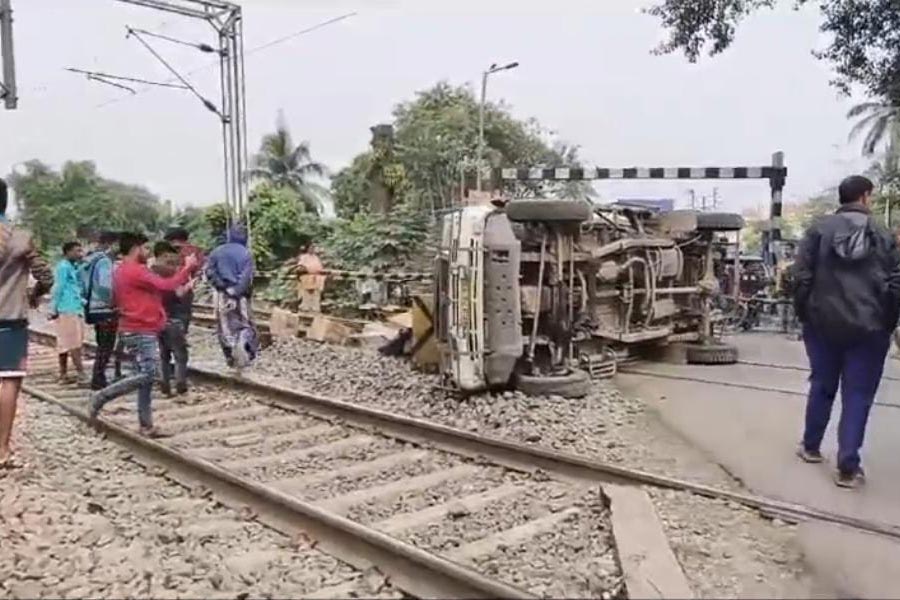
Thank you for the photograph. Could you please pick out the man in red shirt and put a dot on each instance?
(138, 294)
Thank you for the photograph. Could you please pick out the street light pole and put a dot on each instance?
(8, 91)
(484, 78)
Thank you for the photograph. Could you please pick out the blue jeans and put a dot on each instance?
(857, 366)
(144, 350)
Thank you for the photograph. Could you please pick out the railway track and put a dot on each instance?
(139, 534)
(398, 442)
(204, 316)
(636, 369)
(437, 524)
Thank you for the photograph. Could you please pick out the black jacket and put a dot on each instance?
(847, 276)
(176, 308)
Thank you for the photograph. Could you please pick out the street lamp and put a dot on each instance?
(484, 77)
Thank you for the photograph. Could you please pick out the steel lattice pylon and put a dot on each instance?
(226, 18)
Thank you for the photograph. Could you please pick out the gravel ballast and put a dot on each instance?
(81, 519)
(607, 425)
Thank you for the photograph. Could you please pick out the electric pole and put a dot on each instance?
(8, 91)
(227, 21)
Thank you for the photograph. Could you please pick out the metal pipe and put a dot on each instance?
(736, 269)
(571, 292)
(540, 291)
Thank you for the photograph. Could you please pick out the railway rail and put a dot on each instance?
(204, 316)
(519, 456)
(373, 498)
(636, 369)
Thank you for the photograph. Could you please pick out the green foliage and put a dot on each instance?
(376, 242)
(864, 36)
(351, 188)
(436, 143)
(283, 164)
(57, 205)
(280, 224)
(879, 121)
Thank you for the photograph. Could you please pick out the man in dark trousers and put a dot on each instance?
(847, 296)
(97, 278)
(139, 298)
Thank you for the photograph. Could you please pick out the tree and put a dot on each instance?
(279, 224)
(58, 206)
(283, 164)
(864, 45)
(435, 145)
(878, 120)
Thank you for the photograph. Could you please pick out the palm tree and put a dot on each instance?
(283, 164)
(878, 119)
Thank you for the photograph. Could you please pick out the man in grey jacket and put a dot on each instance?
(847, 296)
(18, 258)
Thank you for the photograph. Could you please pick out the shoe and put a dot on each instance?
(153, 433)
(166, 390)
(851, 480)
(93, 409)
(181, 389)
(810, 456)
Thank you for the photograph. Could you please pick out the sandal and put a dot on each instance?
(10, 463)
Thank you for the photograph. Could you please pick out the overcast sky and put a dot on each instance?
(586, 71)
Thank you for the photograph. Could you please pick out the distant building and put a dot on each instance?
(658, 204)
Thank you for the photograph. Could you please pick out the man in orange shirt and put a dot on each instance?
(311, 280)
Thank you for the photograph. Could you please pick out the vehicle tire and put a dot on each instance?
(711, 354)
(719, 222)
(574, 384)
(556, 211)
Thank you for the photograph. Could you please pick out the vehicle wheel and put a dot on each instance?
(711, 354)
(557, 211)
(719, 222)
(574, 384)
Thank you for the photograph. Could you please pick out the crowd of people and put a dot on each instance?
(137, 298)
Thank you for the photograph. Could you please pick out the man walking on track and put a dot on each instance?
(99, 311)
(18, 258)
(138, 293)
(847, 296)
(230, 271)
(67, 309)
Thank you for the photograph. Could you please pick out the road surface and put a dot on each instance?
(753, 434)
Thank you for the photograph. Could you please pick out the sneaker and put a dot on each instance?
(851, 480)
(810, 456)
(93, 408)
(181, 389)
(154, 433)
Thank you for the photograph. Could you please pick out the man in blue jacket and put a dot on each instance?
(847, 295)
(229, 270)
(96, 281)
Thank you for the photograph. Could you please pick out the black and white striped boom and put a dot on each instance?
(590, 174)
